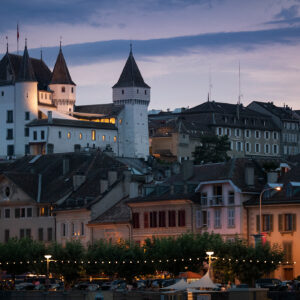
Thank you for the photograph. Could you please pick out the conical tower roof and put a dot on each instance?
(60, 74)
(26, 72)
(131, 75)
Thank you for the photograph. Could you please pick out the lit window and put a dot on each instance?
(63, 89)
(69, 135)
(103, 137)
(120, 121)
(93, 135)
(115, 138)
(80, 136)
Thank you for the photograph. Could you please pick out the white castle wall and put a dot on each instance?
(133, 129)
(64, 100)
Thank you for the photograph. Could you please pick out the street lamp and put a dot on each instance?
(277, 188)
(209, 253)
(48, 258)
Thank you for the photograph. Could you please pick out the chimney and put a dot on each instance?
(39, 189)
(112, 177)
(249, 175)
(103, 185)
(78, 180)
(187, 168)
(50, 120)
(66, 166)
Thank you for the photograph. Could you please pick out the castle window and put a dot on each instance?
(115, 138)
(120, 121)
(46, 96)
(35, 135)
(145, 92)
(63, 89)
(93, 135)
(72, 90)
(9, 116)
(10, 150)
(42, 95)
(59, 134)
(122, 92)
(137, 91)
(9, 134)
(42, 135)
(103, 137)
(69, 135)
(80, 136)
(27, 116)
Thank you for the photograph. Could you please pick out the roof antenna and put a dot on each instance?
(240, 95)
(209, 84)
(26, 42)
(41, 53)
(7, 44)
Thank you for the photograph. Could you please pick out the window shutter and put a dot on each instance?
(257, 223)
(271, 223)
(280, 222)
(294, 222)
(146, 220)
(208, 218)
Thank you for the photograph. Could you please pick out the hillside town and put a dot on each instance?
(117, 172)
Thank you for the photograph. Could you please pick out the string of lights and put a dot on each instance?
(151, 261)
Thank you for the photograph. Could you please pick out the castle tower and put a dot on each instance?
(26, 104)
(64, 89)
(132, 92)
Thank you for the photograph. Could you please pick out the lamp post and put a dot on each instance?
(48, 258)
(209, 253)
(259, 235)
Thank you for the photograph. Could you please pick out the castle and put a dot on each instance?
(38, 112)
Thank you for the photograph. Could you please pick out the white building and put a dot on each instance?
(38, 113)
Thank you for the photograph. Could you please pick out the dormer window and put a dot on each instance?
(63, 89)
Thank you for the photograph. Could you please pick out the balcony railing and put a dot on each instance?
(212, 201)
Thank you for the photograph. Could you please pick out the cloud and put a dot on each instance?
(286, 16)
(89, 53)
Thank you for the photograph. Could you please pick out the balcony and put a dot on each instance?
(216, 200)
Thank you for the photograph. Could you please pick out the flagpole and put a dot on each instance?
(18, 38)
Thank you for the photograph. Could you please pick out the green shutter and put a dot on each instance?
(257, 223)
(280, 222)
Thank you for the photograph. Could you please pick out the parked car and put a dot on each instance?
(272, 284)
(24, 286)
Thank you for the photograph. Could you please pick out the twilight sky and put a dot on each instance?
(176, 43)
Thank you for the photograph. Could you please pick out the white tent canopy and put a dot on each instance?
(204, 282)
(180, 285)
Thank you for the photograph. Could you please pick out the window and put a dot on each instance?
(80, 136)
(93, 135)
(136, 220)
(275, 135)
(267, 135)
(42, 95)
(49, 234)
(257, 148)
(115, 138)
(26, 131)
(22, 233)
(9, 116)
(35, 135)
(40, 234)
(23, 212)
(287, 222)
(137, 91)
(248, 133)
(2, 93)
(267, 148)
(28, 233)
(275, 149)
(153, 219)
(203, 198)
(181, 218)
(43, 211)
(146, 220)
(72, 90)
(59, 134)
(231, 217)
(42, 135)
(237, 132)
(6, 235)
(63, 229)
(230, 197)
(122, 92)
(29, 212)
(257, 134)
(82, 228)
(27, 116)
(267, 223)
(239, 146)
(7, 191)
(145, 92)
(205, 218)
(7, 213)
(217, 218)
(10, 150)
(63, 89)
(172, 218)
(162, 219)
(220, 131)
(103, 138)
(198, 218)
(248, 147)
(9, 134)
(17, 213)
(228, 131)
(287, 249)
(69, 135)
(46, 96)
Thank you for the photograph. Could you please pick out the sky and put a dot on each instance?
(184, 48)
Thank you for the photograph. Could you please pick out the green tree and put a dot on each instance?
(213, 149)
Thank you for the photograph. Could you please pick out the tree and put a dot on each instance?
(213, 149)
